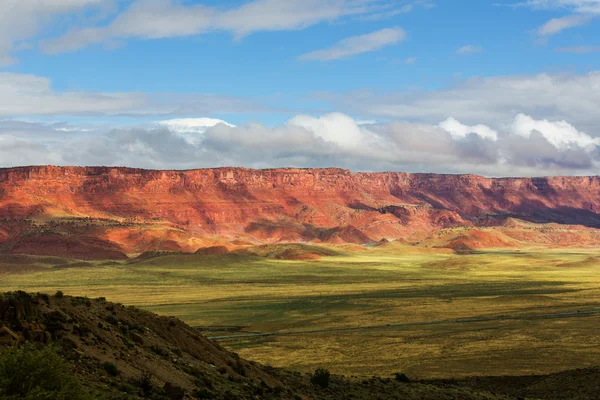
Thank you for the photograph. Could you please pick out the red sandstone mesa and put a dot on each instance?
(125, 210)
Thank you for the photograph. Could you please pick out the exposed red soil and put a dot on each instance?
(477, 239)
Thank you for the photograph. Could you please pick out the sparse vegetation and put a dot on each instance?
(193, 370)
(144, 382)
(59, 294)
(358, 287)
(31, 373)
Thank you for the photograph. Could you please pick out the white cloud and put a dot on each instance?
(488, 100)
(150, 19)
(557, 25)
(469, 49)
(458, 130)
(579, 6)
(525, 147)
(22, 20)
(30, 95)
(358, 45)
(336, 128)
(582, 12)
(200, 125)
(22, 94)
(192, 128)
(560, 134)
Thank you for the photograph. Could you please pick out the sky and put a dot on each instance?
(496, 88)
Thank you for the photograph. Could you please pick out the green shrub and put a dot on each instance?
(400, 377)
(110, 368)
(111, 319)
(144, 382)
(59, 294)
(320, 378)
(29, 373)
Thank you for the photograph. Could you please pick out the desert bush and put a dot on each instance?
(59, 294)
(31, 373)
(44, 297)
(111, 319)
(161, 351)
(401, 377)
(320, 378)
(144, 382)
(110, 368)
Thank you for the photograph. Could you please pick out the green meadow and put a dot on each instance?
(238, 293)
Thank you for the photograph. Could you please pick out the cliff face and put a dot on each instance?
(142, 209)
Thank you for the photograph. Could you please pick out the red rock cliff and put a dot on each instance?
(331, 205)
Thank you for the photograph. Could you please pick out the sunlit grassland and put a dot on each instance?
(393, 284)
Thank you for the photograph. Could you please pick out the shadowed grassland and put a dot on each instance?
(378, 286)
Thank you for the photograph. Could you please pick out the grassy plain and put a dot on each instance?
(372, 286)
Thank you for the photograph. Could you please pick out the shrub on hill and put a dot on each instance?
(29, 373)
(110, 368)
(320, 378)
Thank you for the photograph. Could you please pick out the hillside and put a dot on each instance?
(112, 346)
(105, 212)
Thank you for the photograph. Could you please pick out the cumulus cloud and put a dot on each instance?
(525, 146)
(458, 130)
(488, 100)
(358, 45)
(560, 134)
(336, 128)
(151, 19)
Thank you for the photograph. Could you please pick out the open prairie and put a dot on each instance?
(384, 293)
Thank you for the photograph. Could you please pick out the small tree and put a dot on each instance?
(320, 377)
(29, 373)
(59, 294)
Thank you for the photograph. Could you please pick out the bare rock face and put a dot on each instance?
(89, 212)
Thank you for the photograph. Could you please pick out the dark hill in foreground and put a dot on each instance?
(112, 347)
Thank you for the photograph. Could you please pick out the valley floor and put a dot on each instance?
(236, 294)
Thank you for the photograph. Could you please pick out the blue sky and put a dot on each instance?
(360, 84)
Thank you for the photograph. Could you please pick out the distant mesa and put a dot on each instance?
(91, 213)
